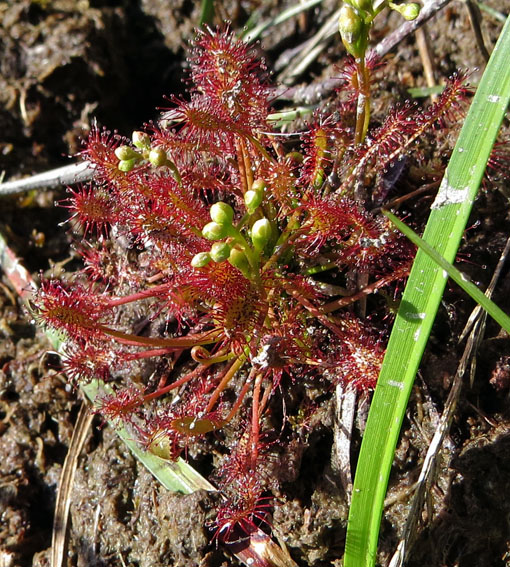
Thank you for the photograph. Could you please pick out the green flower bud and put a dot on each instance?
(126, 165)
(200, 260)
(410, 11)
(158, 157)
(258, 185)
(141, 140)
(215, 231)
(349, 24)
(222, 213)
(239, 260)
(220, 251)
(261, 233)
(252, 200)
(125, 153)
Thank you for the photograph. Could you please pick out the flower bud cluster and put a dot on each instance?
(143, 152)
(229, 242)
(356, 18)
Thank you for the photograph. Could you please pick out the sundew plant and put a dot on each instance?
(223, 264)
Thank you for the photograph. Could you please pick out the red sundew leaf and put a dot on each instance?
(450, 105)
(75, 311)
(281, 183)
(204, 125)
(360, 354)
(181, 149)
(379, 251)
(210, 180)
(333, 219)
(226, 70)
(120, 405)
(348, 73)
(177, 204)
(100, 147)
(318, 147)
(400, 124)
(101, 263)
(242, 480)
(498, 166)
(92, 208)
(84, 362)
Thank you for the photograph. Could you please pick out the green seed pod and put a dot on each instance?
(220, 251)
(200, 260)
(239, 260)
(222, 213)
(126, 165)
(215, 231)
(141, 140)
(261, 233)
(125, 153)
(158, 157)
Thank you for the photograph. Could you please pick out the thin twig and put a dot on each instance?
(66, 175)
(428, 10)
(475, 17)
(428, 467)
(422, 41)
(478, 317)
(345, 409)
(63, 503)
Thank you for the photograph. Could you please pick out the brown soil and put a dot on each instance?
(63, 63)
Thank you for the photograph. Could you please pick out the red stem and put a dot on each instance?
(315, 311)
(150, 353)
(239, 401)
(255, 423)
(204, 338)
(186, 378)
(399, 273)
(150, 292)
(229, 374)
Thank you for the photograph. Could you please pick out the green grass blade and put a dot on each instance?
(420, 302)
(457, 276)
(492, 12)
(279, 119)
(206, 13)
